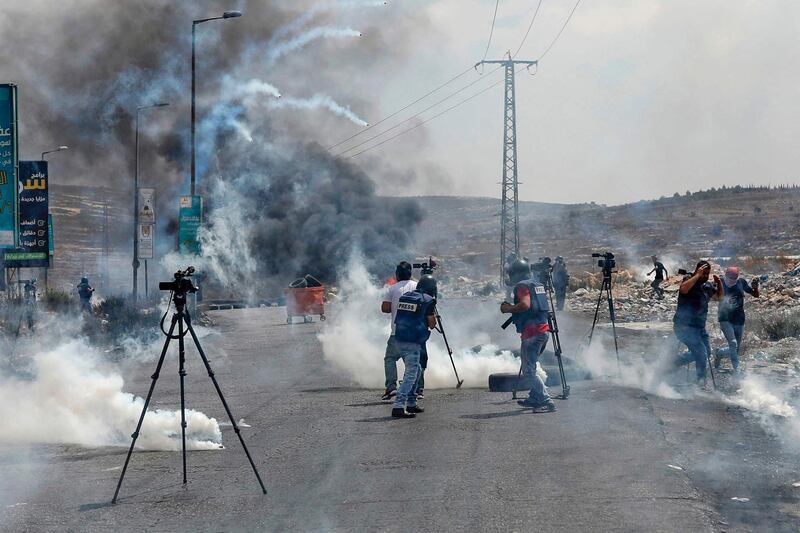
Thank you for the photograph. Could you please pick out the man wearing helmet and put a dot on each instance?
(85, 294)
(415, 317)
(530, 311)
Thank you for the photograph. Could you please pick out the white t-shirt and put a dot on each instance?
(394, 292)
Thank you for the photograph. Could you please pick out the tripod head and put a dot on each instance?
(181, 285)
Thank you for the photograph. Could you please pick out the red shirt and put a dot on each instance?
(532, 329)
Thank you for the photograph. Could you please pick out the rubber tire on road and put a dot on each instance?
(507, 382)
(323, 317)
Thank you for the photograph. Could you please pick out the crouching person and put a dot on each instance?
(530, 310)
(415, 318)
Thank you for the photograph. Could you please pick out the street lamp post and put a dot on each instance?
(59, 149)
(225, 15)
(135, 263)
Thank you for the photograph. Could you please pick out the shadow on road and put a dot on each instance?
(484, 416)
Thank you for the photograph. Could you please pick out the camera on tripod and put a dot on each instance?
(181, 284)
(426, 268)
(607, 263)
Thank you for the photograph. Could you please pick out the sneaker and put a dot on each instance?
(415, 409)
(420, 395)
(527, 402)
(399, 412)
(388, 395)
(548, 407)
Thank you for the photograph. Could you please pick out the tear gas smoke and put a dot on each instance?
(277, 50)
(316, 102)
(355, 341)
(71, 397)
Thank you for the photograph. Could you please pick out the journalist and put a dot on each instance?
(403, 284)
(529, 313)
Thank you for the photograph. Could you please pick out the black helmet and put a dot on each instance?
(427, 285)
(84, 280)
(519, 270)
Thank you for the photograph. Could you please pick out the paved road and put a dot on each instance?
(334, 461)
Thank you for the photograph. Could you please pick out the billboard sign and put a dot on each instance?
(8, 166)
(189, 221)
(146, 241)
(147, 206)
(33, 206)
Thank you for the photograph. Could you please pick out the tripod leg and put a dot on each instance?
(182, 374)
(224, 403)
(596, 312)
(613, 322)
(135, 434)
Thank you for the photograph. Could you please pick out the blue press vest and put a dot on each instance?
(538, 312)
(411, 320)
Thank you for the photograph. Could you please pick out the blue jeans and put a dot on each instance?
(531, 349)
(407, 395)
(696, 339)
(733, 334)
(390, 359)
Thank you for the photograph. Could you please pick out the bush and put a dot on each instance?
(776, 325)
(57, 300)
(123, 319)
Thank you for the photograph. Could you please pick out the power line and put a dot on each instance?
(561, 31)
(495, 84)
(416, 114)
(448, 82)
(491, 32)
(529, 29)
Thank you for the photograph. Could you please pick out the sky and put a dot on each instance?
(637, 99)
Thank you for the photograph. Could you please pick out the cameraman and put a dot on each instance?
(560, 282)
(530, 312)
(731, 314)
(415, 317)
(689, 322)
(403, 285)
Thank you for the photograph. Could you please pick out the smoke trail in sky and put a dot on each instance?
(316, 102)
(323, 32)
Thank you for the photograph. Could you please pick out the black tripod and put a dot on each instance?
(440, 329)
(179, 288)
(606, 288)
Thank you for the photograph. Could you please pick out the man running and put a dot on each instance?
(731, 314)
(661, 274)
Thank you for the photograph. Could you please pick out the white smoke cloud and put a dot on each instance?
(355, 340)
(61, 393)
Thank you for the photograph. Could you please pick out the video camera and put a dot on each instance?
(426, 268)
(607, 263)
(181, 284)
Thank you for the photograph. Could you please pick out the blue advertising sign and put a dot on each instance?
(33, 206)
(189, 221)
(51, 242)
(8, 166)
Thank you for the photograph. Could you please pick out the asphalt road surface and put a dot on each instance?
(610, 459)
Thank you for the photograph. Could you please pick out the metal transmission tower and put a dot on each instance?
(509, 214)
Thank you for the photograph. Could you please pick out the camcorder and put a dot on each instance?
(426, 268)
(607, 261)
(181, 284)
